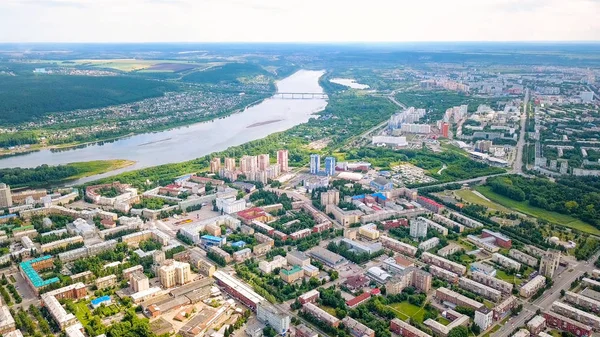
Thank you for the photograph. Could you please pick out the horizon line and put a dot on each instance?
(315, 42)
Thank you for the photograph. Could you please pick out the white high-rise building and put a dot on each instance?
(418, 228)
(282, 160)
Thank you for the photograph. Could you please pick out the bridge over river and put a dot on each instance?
(300, 95)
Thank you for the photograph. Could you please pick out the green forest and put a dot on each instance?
(578, 197)
(28, 98)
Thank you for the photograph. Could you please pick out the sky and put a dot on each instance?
(298, 20)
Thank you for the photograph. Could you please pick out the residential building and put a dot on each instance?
(504, 308)
(450, 249)
(560, 322)
(418, 228)
(549, 262)
(238, 289)
(282, 160)
(273, 317)
(429, 244)
(456, 319)
(263, 161)
(483, 268)
(6, 200)
(397, 264)
(414, 277)
(321, 314)
(434, 225)
(480, 289)
(493, 282)
(315, 163)
(331, 197)
(310, 296)
(261, 249)
(577, 314)
(523, 257)
(356, 282)
(484, 318)
(356, 328)
(174, 273)
(531, 287)
(215, 165)
(506, 262)
(242, 255)
(345, 217)
(536, 324)
(592, 304)
(398, 246)
(139, 282)
(58, 313)
(7, 322)
(443, 274)
(303, 331)
(106, 281)
(447, 295)
(521, 333)
(330, 166)
(429, 204)
(443, 263)
(406, 330)
(268, 266)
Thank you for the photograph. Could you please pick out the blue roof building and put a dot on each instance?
(211, 240)
(30, 273)
(238, 244)
(101, 300)
(382, 184)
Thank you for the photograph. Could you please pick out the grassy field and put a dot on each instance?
(405, 310)
(472, 198)
(82, 312)
(90, 168)
(553, 217)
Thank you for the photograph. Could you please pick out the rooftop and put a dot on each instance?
(33, 275)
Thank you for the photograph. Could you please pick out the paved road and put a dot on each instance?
(467, 181)
(518, 163)
(562, 281)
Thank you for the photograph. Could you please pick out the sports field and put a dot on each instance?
(405, 310)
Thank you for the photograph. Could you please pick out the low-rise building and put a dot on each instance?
(443, 274)
(106, 281)
(560, 322)
(493, 282)
(328, 258)
(504, 308)
(530, 288)
(577, 314)
(450, 249)
(480, 289)
(356, 328)
(523, 257)
(505, 261)
(309, 296)
(406, 330)
(583, 301)
(446, 295)
(242, 255)
(536, 325)
(297, 258)
(320, 314)
(443, 263)
(484, 318)
(398, 246)
(429, 244)
(268, 266)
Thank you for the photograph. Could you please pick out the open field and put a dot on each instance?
(90, 168)
(470, 197)
(523, 207)
(129, 65)
(405, 310)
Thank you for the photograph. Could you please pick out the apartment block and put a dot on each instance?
(434, 226)
(429, 244)
(493, 282)
(523, 257)
(356, 328)
(406, 330)
(447, 295)
(174, 273)
(576, 314)
(398, 246)
(505, 261)
(443, 274)
(275, 318)
(443, 263)
(560, 322)
(321, 314)
(531, 287)
(417, 278)
(480, 289)
(583, 301)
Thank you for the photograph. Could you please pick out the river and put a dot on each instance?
(196, 140)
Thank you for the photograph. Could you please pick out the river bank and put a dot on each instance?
(192, 141)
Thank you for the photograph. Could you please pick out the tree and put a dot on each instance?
(459, 331)
(475, 329)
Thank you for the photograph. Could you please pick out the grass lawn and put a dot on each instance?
(502, 275)
(90, 168)
(405, 310)
(472, 198)
(329, 310)
(442, 320)
(82, 312)
(524, 207)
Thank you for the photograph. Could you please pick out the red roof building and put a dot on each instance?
(358, 300)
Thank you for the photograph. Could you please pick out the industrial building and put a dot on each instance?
(328, 258)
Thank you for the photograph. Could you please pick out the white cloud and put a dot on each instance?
(294, 20)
